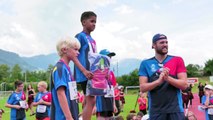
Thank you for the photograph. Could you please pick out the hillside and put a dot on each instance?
(41, 62)
(11, 59)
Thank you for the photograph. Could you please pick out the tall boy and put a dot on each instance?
(17, 102)
(42, 101)
(82, 64)
(63, 87)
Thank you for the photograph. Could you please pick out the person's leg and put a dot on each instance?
(117, 103)
(121, 105)
(31, 108)
(88, 103)
(106, 115)
(183, 105)
(100, 118)
(88, 108)
(144, 112)
(104, 118)
(187, 103)
(83, 87)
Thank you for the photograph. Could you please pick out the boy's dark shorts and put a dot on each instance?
(83, 86)
(167, 116)
(105, 114)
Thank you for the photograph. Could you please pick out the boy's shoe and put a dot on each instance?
(32, 114)
(1, 111)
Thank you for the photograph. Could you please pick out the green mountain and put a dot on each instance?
(41, 62)
(11, 59)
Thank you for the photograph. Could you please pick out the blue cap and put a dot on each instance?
(157, 37)
(106, 52)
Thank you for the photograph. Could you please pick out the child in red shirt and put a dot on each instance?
(142, 103)
(117, 100)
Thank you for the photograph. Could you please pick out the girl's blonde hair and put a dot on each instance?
(67, 42)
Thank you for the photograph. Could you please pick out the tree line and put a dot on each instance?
(10, 75)
(193, 70)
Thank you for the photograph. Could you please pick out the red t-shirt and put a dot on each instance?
(112, 78)
(142, 103)
(80, 97)
(23, 96)
(117, 94)
(47, 97)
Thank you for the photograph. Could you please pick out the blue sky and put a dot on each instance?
(32, 27)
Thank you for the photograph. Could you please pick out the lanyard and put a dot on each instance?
(91, 43)
(70, 73)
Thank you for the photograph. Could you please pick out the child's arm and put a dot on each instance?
(122, 95)
(35, 102)
(33, 92)
(115, 109)
(143, 101)
(41, 102)
(117, 93)
(139, 101)
(45, 102)
(207, 98)
(87, 73)
(12, 106)
(63, 103)
(210, 106)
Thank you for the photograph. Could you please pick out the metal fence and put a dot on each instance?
(5, 94)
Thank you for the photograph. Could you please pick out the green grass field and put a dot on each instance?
(6, 115)
(130, 102)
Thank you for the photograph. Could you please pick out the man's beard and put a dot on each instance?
(161, 52)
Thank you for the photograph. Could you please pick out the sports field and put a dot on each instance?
(130, 103)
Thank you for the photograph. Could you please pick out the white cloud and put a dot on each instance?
(156, 6)
(128, 30)
(177, 1)
(22, 41)
(33, 27)
(113, 26)
(100, 3)
(124, 9)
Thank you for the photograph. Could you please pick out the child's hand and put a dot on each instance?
(204, 107)
(41, 101)
(17, 107)
(115, 109)
(26, 107)
(210, 106)
(88, 74)
(94, 111)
